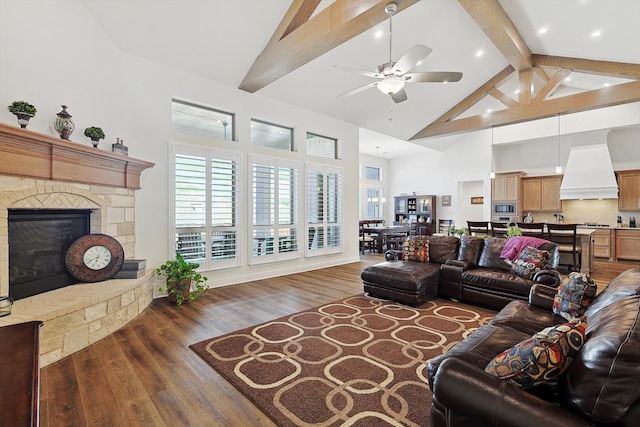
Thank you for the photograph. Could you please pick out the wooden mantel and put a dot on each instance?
(34, 155)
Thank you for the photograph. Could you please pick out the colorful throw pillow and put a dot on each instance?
(530, 261)
(541, 358)
(514, 245)
(574, 295)
(416, 248)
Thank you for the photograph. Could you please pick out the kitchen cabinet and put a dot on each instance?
(541, 193)
(506, 186)
(604, 244)
(629, 190)
(628, 245)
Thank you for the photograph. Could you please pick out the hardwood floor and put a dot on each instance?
(145, 375)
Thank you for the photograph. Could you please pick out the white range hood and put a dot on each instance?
(589, 174)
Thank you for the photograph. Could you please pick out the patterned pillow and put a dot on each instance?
(416, 248)
(541, 358)
(574, 295)
(530, 261)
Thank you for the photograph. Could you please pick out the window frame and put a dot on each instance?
(208, 229)
(325, 223)
(275, 227)
(290, 131)
(194, 131)
(335, 156)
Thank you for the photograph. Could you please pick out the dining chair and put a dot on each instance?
(532, 229)
(367, 240)
(499, 229)
(478, 227)
(566, 237)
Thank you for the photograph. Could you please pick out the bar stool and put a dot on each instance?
(566, 236)
(532, 229)
(499, 229)
(478, 227)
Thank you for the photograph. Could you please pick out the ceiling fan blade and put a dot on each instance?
(359, 89)
(411, 58)
(433, 76)
(399, 96)
(358, 71)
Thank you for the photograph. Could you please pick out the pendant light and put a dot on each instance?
(492, 174)
(558, 167)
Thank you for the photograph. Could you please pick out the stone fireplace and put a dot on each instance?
(78, 178)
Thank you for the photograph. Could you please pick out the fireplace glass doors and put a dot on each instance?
(38, 242)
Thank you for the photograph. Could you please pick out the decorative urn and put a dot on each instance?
(63, 124)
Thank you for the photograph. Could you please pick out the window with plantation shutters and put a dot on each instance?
(274, 200)
(205, 189)
(324, 210)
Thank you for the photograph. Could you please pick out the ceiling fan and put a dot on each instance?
(392, 76)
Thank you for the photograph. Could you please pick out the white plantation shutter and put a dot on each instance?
(324, 210)
(205, 185)
(274, 199)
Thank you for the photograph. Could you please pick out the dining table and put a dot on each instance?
(382, 233)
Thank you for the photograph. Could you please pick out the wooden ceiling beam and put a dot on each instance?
(476, 96)
(589, 66)
(336, 24)
(496, 24)
(599, 98)
(526, 81)
(551, 85)
(299, 12)
(503, 97)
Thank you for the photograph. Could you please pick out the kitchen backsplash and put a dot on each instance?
(582, 211)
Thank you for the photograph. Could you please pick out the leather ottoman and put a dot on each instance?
(411, 283)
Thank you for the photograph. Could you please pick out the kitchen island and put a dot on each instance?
(615, 244)
(585, 241)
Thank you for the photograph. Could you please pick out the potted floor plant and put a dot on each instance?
(183, 283)
(23, 111)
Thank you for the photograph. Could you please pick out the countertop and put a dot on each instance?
(607, 228)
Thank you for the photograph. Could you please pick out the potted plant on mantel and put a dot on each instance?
(183, 283)
(23, 111)
(95, 133)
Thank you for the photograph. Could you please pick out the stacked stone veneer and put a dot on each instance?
(81, 314)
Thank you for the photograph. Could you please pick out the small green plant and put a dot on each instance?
(94, 132)
(453, 231)
(513, 231)
(183, 282)
(22, 107)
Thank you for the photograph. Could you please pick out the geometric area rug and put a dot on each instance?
(359, 361)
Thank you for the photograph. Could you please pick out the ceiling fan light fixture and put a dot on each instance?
(390, 85)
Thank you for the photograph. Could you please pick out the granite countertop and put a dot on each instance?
(589, 227)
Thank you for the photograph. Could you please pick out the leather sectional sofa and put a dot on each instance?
(600, 387)
(468, 270)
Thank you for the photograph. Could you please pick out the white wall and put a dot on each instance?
(54, 52)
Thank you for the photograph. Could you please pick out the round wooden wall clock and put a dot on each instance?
(94, 257)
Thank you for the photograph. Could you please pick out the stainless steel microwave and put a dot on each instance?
(504, 211)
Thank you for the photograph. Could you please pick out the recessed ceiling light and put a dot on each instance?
(517, 91)
(542, 30)
(418, 63)
(445, 82)
(606, 85)
(379, 34)
(479, 53)
(489, 110)
(568, 79)
(596, 34)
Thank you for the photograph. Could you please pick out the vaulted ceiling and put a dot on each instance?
(539, 58)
